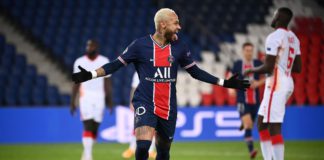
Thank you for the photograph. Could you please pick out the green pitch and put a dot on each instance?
(296, 150)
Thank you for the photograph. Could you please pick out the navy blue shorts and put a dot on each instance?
(248, 109)
(144, 116)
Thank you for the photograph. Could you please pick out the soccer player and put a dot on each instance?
(92, 96)
(157, 58)
(248, 102)
(132, 145)
(282, 58)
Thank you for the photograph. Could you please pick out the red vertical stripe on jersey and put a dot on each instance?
(161, 56)
(161, 91)
(162, 99)
(250, 95)
(271, 94)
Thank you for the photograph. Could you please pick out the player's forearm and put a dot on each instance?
(202, 75)
(263, 69)
(107, 69)
(267, 67)
(108, 88)
(75, 90)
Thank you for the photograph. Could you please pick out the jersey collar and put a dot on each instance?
(158, 43)
(92, 59)
(283, 28)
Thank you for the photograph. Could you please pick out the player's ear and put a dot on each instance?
(163, 24)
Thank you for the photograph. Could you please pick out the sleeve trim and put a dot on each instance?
(189, 65)
(122, 60)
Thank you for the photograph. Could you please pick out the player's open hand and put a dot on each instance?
(82, 76)
(72, 109)
(236, 83)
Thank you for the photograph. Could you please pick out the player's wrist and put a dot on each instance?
(94, 74)
(221, 82)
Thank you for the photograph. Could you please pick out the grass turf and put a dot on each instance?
(294, 150)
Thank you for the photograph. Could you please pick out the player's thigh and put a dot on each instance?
(261, 125)
(276, 111)
(166, 128)
(263, 109)
(144, 121)
(98, 110)
(254, 112)
(161, 141)
(275, 128)
(88, 125)
(245, 114)
(86, 112)
(247, 121)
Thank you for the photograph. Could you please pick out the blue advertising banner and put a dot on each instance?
(56, 125)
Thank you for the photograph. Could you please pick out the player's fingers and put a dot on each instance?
(246, 85)
(81, 69)
(235, 76)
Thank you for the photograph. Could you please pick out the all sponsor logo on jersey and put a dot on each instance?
(163, 72)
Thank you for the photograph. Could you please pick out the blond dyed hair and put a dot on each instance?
(162, 15)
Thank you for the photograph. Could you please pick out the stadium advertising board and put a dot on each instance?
(55, 125)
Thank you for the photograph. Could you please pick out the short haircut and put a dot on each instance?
(94, 41)
(161, 15)
(285, 14)
(247, 44)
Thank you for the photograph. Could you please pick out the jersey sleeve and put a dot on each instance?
(272, 44)
(186, 60)
(297, 47)
(129, 54)
(75, 66)
(106, 60)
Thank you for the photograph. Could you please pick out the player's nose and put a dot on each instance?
(179, 27)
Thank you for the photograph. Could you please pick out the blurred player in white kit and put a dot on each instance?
(92, 97)
(282, 58)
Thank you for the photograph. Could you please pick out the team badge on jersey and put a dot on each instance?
(171, 59)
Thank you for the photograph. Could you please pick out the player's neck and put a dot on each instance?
(247, 61)
(159, 38)
(92, 57)
(282, 27)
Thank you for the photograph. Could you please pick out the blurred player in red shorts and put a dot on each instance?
(92, 96)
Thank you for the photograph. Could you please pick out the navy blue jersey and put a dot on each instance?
(251, 96)
(157, 68)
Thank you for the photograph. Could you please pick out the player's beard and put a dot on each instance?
(273, 24)
(92, 53)
(169, 35)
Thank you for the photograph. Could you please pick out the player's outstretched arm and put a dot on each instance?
(266, 68)
(106, 69)
(232, 82)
